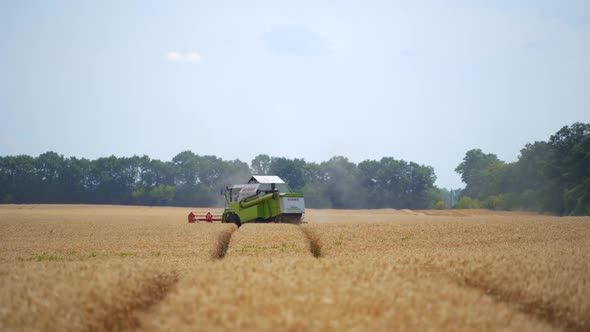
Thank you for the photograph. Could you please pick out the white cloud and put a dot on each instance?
(180, 57)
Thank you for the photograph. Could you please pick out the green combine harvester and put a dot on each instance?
(265, 198)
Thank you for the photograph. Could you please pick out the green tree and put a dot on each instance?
(315, 196)
(397, 183)
(473, 172)
(49, 169)
(342, 183)
(186, 169)
(113, 179)
(260, 165)
(537, 186)
(290, 170)
(571, 161)
(193, 180)
(17, 176)
(467, 203)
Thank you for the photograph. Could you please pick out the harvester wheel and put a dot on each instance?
(234, 219)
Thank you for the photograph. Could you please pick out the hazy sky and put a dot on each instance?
(413, 80)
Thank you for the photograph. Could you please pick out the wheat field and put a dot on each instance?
(79, 268)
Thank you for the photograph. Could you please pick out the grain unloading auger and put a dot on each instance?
(265, 198)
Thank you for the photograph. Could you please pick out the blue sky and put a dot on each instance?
(417, 80)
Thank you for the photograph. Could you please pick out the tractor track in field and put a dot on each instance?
(126, 315)
(224, 239)
(315, 244)
(556, 317)
(553, 316)
(222, 244)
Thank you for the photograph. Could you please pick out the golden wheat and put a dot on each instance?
(110, 267)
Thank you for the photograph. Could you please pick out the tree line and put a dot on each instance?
(549, 176)
(193, 180)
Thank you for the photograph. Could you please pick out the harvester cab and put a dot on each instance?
(265, 198)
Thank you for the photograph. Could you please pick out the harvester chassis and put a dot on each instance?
(264, 199)
(233, 218)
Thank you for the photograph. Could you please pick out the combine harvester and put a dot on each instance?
(265, 198)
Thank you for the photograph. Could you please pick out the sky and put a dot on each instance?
(423, 81)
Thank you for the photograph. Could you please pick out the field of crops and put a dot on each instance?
(111, 267)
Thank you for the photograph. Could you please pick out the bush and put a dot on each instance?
(467, 203)
(494, 202)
